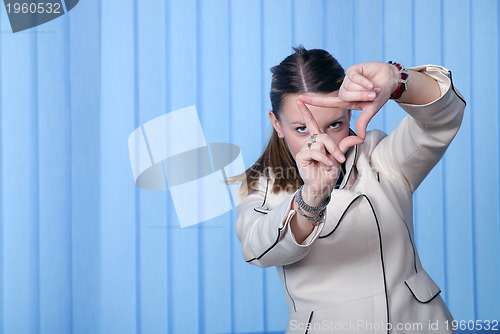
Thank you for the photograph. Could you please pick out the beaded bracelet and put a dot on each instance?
(403, 80)
(307, 207)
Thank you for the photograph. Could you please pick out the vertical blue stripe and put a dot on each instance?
(117, 217)
(473, 157)
(54, 179)
(184, 243)
(233, 241)
(168, 203)
(201, 243)
(2, 218)
(498, 130)
(246, 103)
(353, 29)
(323, 24)
(85, 96)
(485, 138)
(36, 182)
(472, 164)
(486, 182)
(137, 220)
(292, 23)
(67, 70)
(20, 187)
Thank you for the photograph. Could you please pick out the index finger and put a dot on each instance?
(311, 123)
(325, 101)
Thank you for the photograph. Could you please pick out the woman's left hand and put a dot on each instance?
(366, 87)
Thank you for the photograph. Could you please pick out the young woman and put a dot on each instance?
(332, 209)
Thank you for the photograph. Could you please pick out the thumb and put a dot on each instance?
(363, 120)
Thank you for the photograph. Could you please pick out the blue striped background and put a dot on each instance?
(83, 250)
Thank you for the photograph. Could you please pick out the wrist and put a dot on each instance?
(313, 198)
(394, 78)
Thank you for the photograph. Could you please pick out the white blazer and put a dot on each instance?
(359, 270)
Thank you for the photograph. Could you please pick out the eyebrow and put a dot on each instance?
(334, 121)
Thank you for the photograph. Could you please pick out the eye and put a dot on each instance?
(301, 129)
(336, 125)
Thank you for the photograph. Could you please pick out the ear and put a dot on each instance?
(276, 123)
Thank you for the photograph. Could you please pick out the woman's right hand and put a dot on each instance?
(319, 164)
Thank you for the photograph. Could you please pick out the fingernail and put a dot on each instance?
(342, 159)
(330, 162)
(371, 95)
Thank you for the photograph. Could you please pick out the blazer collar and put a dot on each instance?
(351, 157)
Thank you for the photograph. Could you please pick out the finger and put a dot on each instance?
(349, 142)
(331, 147)
(356, 96)
(362, 123)
(358, 78)
(311, 123)
(352, 86)
(315, 155)
(325, 101)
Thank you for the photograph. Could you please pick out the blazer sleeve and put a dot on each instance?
(410, 152)
(266, 238)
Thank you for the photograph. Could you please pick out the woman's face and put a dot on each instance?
(332, 121)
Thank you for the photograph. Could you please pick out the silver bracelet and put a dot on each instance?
(315, 220)
(307, 207)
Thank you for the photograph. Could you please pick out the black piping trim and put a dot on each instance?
(265, 195)
(381, 258)
(267, 250)
(308, 322)
(288, 292)
(412, 246)
(352, 167)
(263, 202)
(453, 87)
(343, 214)
(419, 299)
(341, 176)
(378, 177)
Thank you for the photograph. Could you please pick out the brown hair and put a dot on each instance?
(304, 71)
